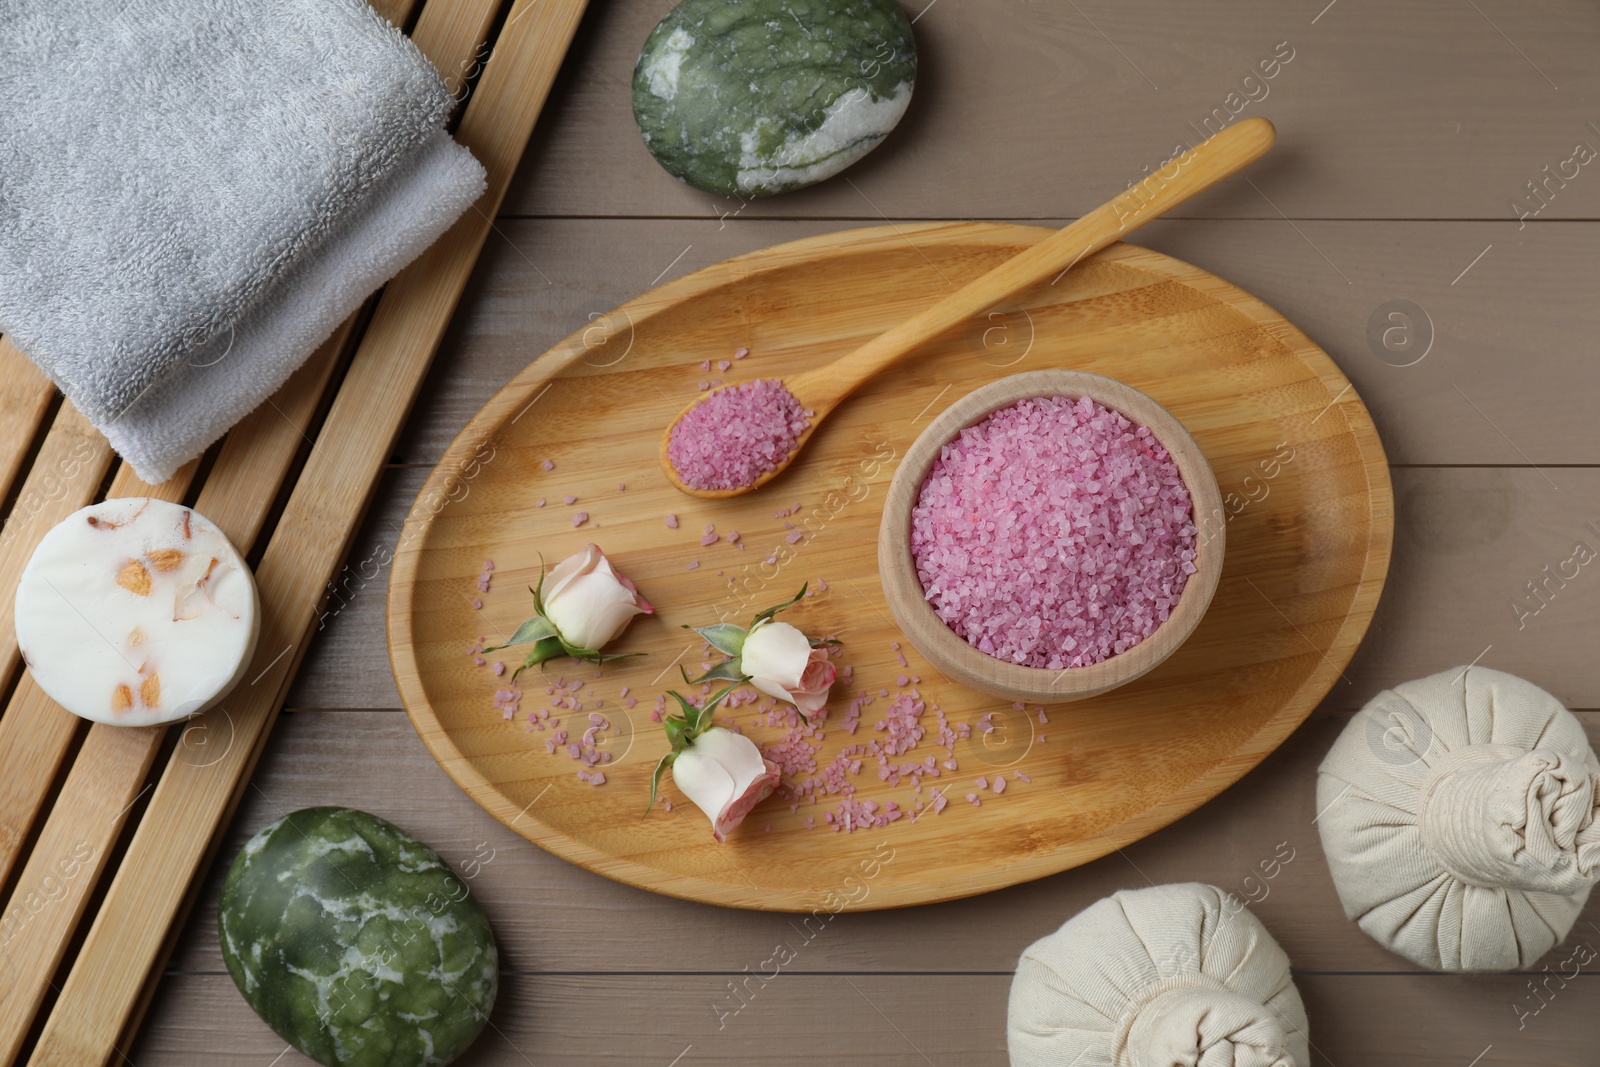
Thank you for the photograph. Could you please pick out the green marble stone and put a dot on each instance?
(752, 97)
(356, 943)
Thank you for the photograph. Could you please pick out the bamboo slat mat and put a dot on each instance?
(146, 807)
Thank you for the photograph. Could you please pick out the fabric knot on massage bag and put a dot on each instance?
(1458, 814)
(1170, 976)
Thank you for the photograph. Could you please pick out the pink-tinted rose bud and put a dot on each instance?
(588, 601)
(781, 663)
(726, 775)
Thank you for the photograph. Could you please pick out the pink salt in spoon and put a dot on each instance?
(739, 437)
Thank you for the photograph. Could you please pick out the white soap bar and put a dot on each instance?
(136, 612)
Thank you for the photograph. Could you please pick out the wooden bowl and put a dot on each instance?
(950, 652)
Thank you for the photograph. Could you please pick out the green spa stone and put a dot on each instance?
(752, 97)
(356, 942)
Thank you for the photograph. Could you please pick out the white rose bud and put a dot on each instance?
(588, 601)
(781, 663)
(726, 775)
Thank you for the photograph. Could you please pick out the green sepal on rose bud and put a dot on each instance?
(778, 662)
(725, 637)
(681, 731)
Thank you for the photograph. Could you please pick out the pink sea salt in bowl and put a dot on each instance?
(1041, 540)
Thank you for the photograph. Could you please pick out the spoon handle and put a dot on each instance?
(1198, 168)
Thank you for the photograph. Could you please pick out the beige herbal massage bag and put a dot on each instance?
(1458, 816)
(1173, 974)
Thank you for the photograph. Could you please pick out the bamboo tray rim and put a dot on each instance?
(515, 396)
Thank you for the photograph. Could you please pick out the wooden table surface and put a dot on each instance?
(1408, 136)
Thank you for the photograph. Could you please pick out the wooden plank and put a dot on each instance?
(347, 662)
(1416, 1020)
(1468, 543)
(100, 993)
(25, 395)
(1041, 109)
(1451, 407)
(34, 734)
(64, 477)
(552, 918)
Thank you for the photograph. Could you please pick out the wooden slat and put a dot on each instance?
(799, 1020)
(189, 803)
(1037, 110)
(25, 395)
(64, 477)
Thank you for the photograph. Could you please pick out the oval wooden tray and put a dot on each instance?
(1300, 465)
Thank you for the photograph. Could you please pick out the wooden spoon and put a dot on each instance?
(822, 389)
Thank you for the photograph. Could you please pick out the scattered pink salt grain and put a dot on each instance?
(1054, 533)
(733, 436)
(794, 536)
(478, 661)
(704, 386)
(1020, 776)
(498, 668)
(705, 364)
(1043, 718)
(477, 604)
(693, 563)
(549, 464)
(708, 539)
(672, 522)
(982, 782)
(741, 353)
(724, 364)
(539, 503)
(580, 518)
(999, 785)
(569, 499)
(732, 537)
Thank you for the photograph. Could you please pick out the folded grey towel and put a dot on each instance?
(163, 163)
